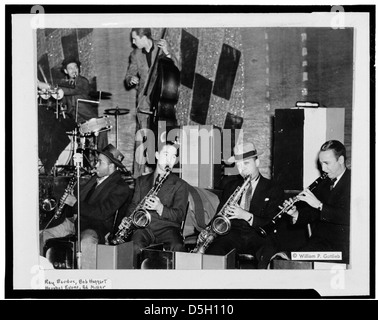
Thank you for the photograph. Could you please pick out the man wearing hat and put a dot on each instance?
(100, 198)
(258, 205)
(75, 86)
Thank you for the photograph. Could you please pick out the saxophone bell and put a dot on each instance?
(141, 218)
(221, 225)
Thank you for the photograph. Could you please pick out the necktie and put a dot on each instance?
(248, 198)
(331, 186)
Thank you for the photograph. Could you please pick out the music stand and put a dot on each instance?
(84, 100)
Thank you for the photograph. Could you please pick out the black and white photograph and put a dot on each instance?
(217, 151)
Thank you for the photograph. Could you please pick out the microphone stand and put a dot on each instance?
(78, 162)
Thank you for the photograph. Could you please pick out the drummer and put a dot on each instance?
(75, 87)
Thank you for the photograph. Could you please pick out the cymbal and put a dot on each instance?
(100, 94)
(116, 111)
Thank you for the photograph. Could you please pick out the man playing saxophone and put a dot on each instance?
(101, 199)
(257, 206)
(167, 208)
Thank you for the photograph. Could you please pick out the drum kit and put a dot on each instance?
(80, 137)
(63, 253)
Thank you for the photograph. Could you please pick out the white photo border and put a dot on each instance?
(355, 281)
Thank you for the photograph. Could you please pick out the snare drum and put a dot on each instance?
(95, 125)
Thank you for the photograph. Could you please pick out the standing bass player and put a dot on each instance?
(141, 74)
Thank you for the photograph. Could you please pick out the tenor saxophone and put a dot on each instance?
(140, 217)
(220, 224)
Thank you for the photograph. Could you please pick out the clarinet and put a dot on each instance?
(71, 185)
(271, 226)
(67, 191)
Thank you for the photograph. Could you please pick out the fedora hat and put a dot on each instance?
(244, 151)
(113, 154)
(69, 60)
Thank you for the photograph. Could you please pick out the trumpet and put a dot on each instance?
(140, 218)
(271, 226)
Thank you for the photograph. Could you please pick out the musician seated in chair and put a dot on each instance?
(100, 199)
(257, 206)
(327, 208)
(167, 207)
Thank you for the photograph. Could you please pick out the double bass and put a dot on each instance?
(161, 90)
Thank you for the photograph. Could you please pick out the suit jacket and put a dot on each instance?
(173, 195)
(98, 209)
(138, 66)
(86, 111)
(330, 227)
(264, 204)
(202, 207)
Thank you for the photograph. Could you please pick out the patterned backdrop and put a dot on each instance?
(230, 77)
(212, 72)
